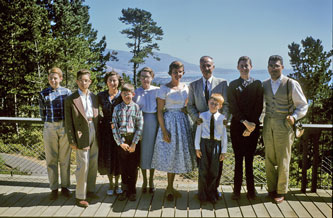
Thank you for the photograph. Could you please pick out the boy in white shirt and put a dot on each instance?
(210, 145)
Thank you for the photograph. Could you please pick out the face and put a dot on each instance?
(244, 67)
(54, 80)
(84, 82)
(177, 74)
(127, 96)
(214, 105)
(145, 79)
(112, 82)
(207, 67)
(275, 69)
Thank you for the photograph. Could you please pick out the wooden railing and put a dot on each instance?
(311, 131)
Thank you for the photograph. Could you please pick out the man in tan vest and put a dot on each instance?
(282, 109)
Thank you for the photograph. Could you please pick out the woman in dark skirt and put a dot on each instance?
(108, 163)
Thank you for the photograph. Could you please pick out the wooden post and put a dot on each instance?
(304, 165)
(315, 161)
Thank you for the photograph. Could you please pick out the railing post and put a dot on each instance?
(304, 164)
(315, 161)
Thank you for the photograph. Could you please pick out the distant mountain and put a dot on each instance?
(192, 71)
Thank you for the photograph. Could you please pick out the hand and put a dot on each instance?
(291, 120)
(249, 125)
(222, 156)
(225, 122)
(124, 146)
(166, 137)
(131, 149)
(86, 148)
(73, 146)
(198, 153)
(199, 121)
(246, 133)
(184, 110)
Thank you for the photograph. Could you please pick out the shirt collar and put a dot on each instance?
(55, 90)
(82, 94)
(209, 80)
(278, 80)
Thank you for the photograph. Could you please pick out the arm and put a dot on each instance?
(138, 128)
(160, 106)
(115, 128)
(191, 108)
(224, 143)
(225, 109)
(299, 100)
(198, 134)
(259, 104)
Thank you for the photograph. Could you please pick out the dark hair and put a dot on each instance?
(127, 87)
(147, 69)
(204, 57)
(82, 72)
(244, 58)
(113, 73)
(275, 58)
(175, 65)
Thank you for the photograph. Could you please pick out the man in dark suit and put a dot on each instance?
(81, 119)
(199, 93)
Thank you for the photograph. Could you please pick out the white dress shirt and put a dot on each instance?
(299, 100)
(87, 104)
(209, 84)
(203, 130)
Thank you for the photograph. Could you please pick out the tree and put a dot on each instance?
(143, 33)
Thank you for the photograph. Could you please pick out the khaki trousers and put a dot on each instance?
(86, 171)
(278, 138)
(57, 150)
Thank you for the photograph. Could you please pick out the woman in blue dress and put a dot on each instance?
(145, 97)
(174, 149)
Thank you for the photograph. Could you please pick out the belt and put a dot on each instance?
(127, 134)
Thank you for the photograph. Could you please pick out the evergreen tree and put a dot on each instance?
(143, 33)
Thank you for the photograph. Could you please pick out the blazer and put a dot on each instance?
(196, 99)
(76, 123)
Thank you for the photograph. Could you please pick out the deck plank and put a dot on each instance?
(299, 209)
(220, 207)
(307, 203)
(157, 201)
(245, 205)
(12, 199)
(131, 206)
(193, 201)
(182, 203)
(320, 203)
(144, 205)
(96, 203)
(325, 196)
(271, 207)
(233, 208)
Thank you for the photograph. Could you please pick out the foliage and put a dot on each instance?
(142, 33)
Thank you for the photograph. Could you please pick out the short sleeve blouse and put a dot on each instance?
(174, 99)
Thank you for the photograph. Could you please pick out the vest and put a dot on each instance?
(277, 105)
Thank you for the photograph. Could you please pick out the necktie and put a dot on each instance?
(206, 92)
(211, 129)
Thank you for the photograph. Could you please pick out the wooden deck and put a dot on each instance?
(22, 198)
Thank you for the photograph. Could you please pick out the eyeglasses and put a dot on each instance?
(84, 80)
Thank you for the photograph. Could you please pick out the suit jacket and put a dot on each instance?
(76, 123)
(197, 101)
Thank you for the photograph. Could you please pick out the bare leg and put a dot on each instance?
(144, 184)
(151, 178)
(110, 176)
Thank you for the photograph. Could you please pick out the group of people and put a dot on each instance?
(172, 128)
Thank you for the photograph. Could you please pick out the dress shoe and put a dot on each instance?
(92, 195)
(144, 187)
(279, 198)
(132, 197)
(65, 192)
(251, 196)
(82, 203)
(272, 194)
(123, 196)
(213, 200)
(235, 196)
(54, 194)
(151, 190)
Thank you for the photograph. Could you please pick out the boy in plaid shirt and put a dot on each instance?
(127, 124)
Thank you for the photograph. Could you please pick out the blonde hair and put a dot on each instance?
(55, 70)
(217, 97)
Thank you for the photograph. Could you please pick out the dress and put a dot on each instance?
(178, 156)
(146, 99)
(108, 162)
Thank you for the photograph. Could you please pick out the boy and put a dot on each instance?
(127, 125)
(81, 118)
(210, 146)
(57, 149)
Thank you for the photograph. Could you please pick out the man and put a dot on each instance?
(81, 119)
(280, 115)
(199, 94)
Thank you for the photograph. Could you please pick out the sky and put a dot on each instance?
(222, 29)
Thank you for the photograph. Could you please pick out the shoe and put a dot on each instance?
(235, 196)
(132, 197)
(54, 194)
(218, 195)
(118, 190)
(213, 201)
(82, 203)
(279, 198)
(144, 187)
(251, 196)
(169, 195)
(272, 194)
(110, 192)
(123, 196)
(151, 190)
(92, 195)
(65, 192)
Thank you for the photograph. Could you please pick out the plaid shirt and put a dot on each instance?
(127, 119)
(51, 103)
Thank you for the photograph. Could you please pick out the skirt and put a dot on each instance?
(178, 156)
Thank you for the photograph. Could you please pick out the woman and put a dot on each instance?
(245, 96)
(174, 150)
(107, 156)
(145, 97)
